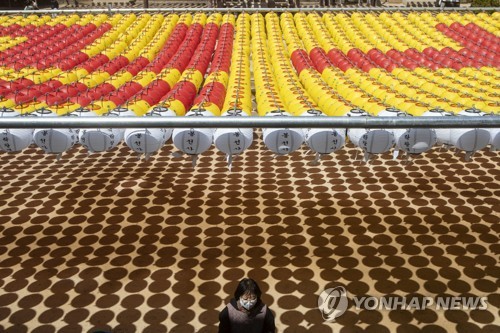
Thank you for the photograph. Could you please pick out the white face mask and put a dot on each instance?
(248, 304)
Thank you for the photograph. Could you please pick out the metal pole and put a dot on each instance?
(251, 122)
(247, 10)
(146, 3)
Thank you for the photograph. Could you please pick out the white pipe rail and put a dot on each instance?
(250, 122)
(241, 10)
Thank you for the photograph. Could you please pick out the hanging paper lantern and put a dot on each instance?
(233, 141)
(372, 141)
(103, 139)
(470, 139)
(54, 140)
(149, 140)
(412, 140)
(320, 140)
(14, 139)
(282, 141)
(193, 141)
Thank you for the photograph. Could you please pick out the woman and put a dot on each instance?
(246, 313)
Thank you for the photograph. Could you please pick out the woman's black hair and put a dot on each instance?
(247, 286)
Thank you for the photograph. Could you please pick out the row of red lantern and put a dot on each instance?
(82, 67)
(121, 71)
(124, 66)
(162, 70)
(300, 100)
(412, 59)
(101, 67)
(471, 34)
(49, 88)
(153, 87)
(477, 48)
(434, 59)
(43, 54)
(29, 30)
(354, 57)
(174, 102)
(318, 78)
(33, 46)
(209, 101)
(161, 83)
(43, 39)
(439, 48)
(181, 97)
(42, 75)
(152, 38)
(238, 99)
(18, 25)
(192, 59)
(96, 140)
(213, 93)
(91, 59)
(25, 88)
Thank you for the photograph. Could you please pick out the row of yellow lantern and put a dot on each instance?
(267, 92)
(192, 78)
(356, 85)
(22, 21)
(270, 99)
(127, 76)
(8, 42)
(313, 78)
(139, 92)
(239, 95)
(138, 36)
(442, 87)
(299, 101)
(238, 99)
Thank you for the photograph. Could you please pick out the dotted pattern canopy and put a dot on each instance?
(107, 242)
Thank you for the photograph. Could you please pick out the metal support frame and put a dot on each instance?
(240, 10)
(251, 122)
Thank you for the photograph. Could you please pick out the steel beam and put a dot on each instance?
(251, 122)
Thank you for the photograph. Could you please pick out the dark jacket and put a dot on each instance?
(225, 322)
